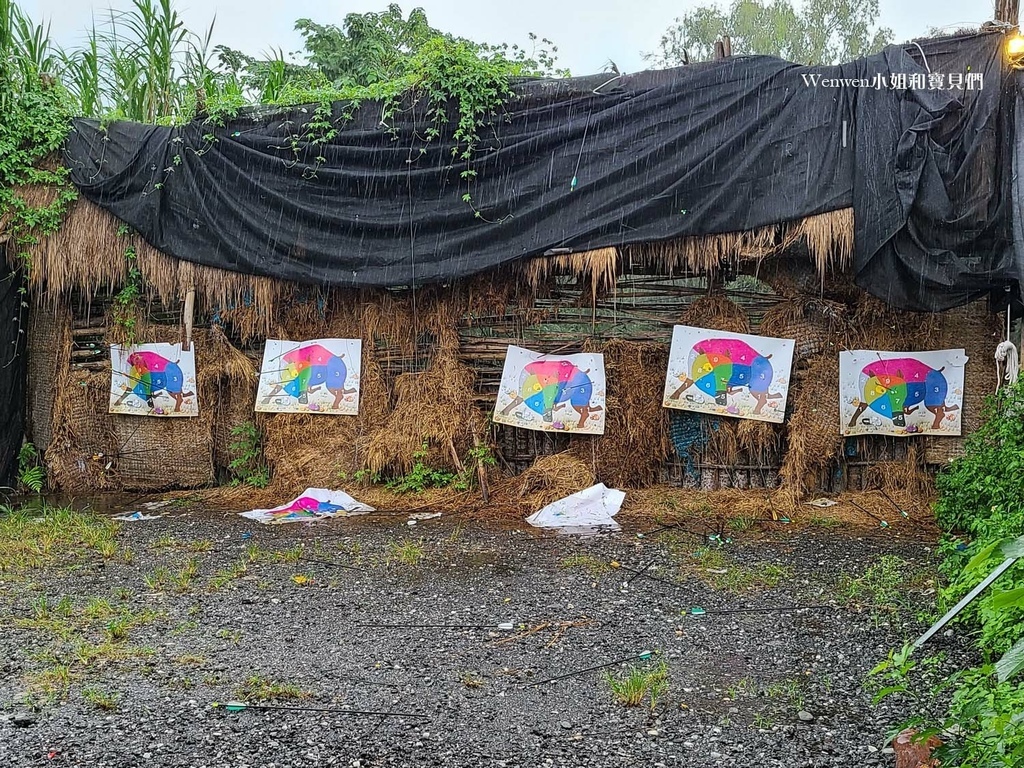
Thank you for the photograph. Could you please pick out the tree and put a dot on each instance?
(817, 32)
(372, 48)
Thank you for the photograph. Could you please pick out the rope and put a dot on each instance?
(1006, 353)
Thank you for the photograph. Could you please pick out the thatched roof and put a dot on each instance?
(87, 257)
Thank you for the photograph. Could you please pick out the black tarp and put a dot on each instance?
(12, 374)
(712, 148)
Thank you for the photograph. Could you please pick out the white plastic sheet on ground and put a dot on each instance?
(582, 512)
(312, 504)
(131, 517)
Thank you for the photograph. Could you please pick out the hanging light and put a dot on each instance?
(1015, 46)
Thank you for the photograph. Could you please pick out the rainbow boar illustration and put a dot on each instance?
(308, 368)
(896, 387)
(719, 367)
(152, 373)
(547, 385)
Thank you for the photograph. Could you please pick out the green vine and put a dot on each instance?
(34, 119)
(247, 465)
(126, 311)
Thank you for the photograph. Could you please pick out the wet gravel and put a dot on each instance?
(766, 689)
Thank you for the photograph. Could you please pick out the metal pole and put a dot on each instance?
(965, 602)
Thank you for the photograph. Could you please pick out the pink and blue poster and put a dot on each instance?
(153, 380)
(552, 393)
(728, 374)
(316, 376)
(901, 393)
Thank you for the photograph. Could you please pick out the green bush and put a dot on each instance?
(981, 506)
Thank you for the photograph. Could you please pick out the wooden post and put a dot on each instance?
(190, 306)
(727, 45)
(481, 470)
(719, 50)
(1008, 11)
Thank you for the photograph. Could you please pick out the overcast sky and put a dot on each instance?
(588, 32)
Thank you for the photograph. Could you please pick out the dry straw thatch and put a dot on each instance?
(93, 450)
(632, 451)
(813, 440)
(99, 243)
(828, 238)
(721, 445)
(552, 478)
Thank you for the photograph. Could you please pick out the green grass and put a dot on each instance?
(58, 536)
(639, 682)
(258, 688)
(101, 699)
(234, 635)
(741, 523)
(52, 682)
(722, 571)
(406, 552)
(885, 588)
(589, 563)
(97, 608)
(225, 576)
(823, 521)
(167, 541)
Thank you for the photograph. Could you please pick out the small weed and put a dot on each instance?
(587, 562)
(191, 660)
(786, 690)
(234, 635)
(258, 688)
(822, 521)
(741, 688)
(290, 555)
(124, 594)
(127, 555)
(471, 680)
(165, 541)
(225, 576)
(99, 655)
(640, 682)
(120, 625)
(98, 608)
(422, 475)
(52, 682)
(247, 464)
(303, 579)
(185, 575)
(742, 523)
(407, 552)
(185, 627)
(101, 699)
(159, 580)
(762, 721)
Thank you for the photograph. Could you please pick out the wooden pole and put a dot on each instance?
(727, 45)
(190, 306)
(481, 470)
(719, 50)
(1008, 11)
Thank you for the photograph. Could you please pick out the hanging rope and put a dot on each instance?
(1006, 353)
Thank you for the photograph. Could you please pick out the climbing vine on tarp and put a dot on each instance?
(34, 120)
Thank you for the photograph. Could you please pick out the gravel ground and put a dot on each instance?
(753, 689)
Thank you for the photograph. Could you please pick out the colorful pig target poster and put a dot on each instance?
(728, 374)
(901, 393)
(552, 393)
(153, 380)
(317, 376)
